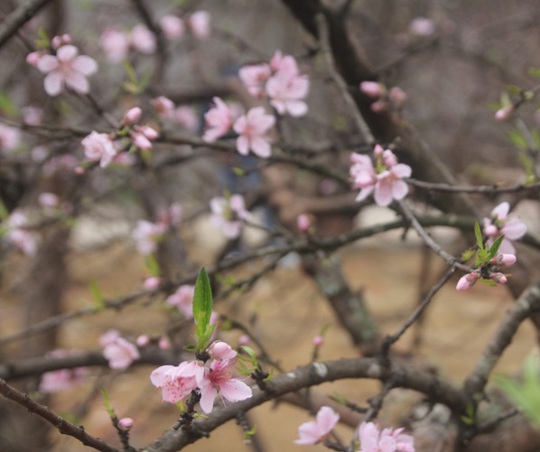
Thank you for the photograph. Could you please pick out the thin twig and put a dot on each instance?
(12, 23)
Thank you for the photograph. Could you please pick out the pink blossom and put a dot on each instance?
(384, 179)
(219, 120)
(244, 339)
(18, 235)
(62, 379)
(422, 26)
(379, 106)
(164, 107)
(467, 281)
(164, 343)
(199, 24)
(371, 89)
(47, 199)
(115, 44)
(10, 138)
(182, 299)
(147, 235)
(228, 214)
(177, 382)
(255, 77)
(66, 68)
(187, 117)
(318, 340)
(172, 216)
(142, 136)
(217, 379)
(99, 147)
(252, 130)
(33, 57)
(120, 353)
(286, 93)
(60, 40)
(143, 340)
(316, 431)
(142, 39)
(125, 423)
(172, 26)
(397, 96)
(32, 115)
(372, 439)
(500, 223)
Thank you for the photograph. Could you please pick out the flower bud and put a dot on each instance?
(221, 350)
(491, 230)
(371, 89)
(318, 340)
(303, 222)
(143, 340)
(467, 281)
(504, 259)
(153, 282)
(164, 343)
(499, 278)
(504, 113)
(398, 96)
(125, 423)
(132, 116)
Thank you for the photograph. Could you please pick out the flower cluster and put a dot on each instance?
(183, 115)
(104, 147)
(229, 214)
(252, 128)
(500, 223)
(17, 234)
(61, 379)
(491, 272)
(119, 352)
(117, 44)
(210, 379)
(64, 67)
(394, 98)
(384, 179)
(281, 81)
(372, 438)
(182, 299)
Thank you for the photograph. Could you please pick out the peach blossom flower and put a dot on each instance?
(253, 131)
(501, 223)
(99, 147)
(314, 432)
(372, 439)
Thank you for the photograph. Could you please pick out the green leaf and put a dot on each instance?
(534, 72)
(202, 308)
(107, 403)
(96, 293)
(467, 254)
(517, 139)
(495, 247)
(7, 106)
(479, 236)
(152, 265)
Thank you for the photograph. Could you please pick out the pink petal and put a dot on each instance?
(47, 63)
(501, 211)
(77, 82)
(297, 108)
(327, 419)
(85, 65)
(67, 52)
(364, 193)
(235, 390)
(399, 189)
(242, 145)
(53, 83)
(401, 170)
(514, 229)
(208, 395)
(383, 193)
(261, 147)
(309, 433)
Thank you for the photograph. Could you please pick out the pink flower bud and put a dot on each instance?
(303, 222)
(318, 340)
(33, 57)
(164, 343)
(149, 132)
(467, 281)
(143, 340)
(499, 278)
(398, 96)
(504, 113)
(379, 106)
(378, 150)
(221, 350)
(47, 199)
(504, 259)
(132, 116)
(125, 423)
(62, 40)
(371, 89)
(153, 282)
(244, 339)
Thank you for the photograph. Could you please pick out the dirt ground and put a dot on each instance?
(455, 332)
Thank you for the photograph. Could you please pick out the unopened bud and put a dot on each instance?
(467, 281)
(491, 230)
(318, 340)
(143, 340)
(303, 222)
(499, 278)
(504, 113)
(371, 89)
(132, 116)
(125, 423)
(164, 343)
(504, 259)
